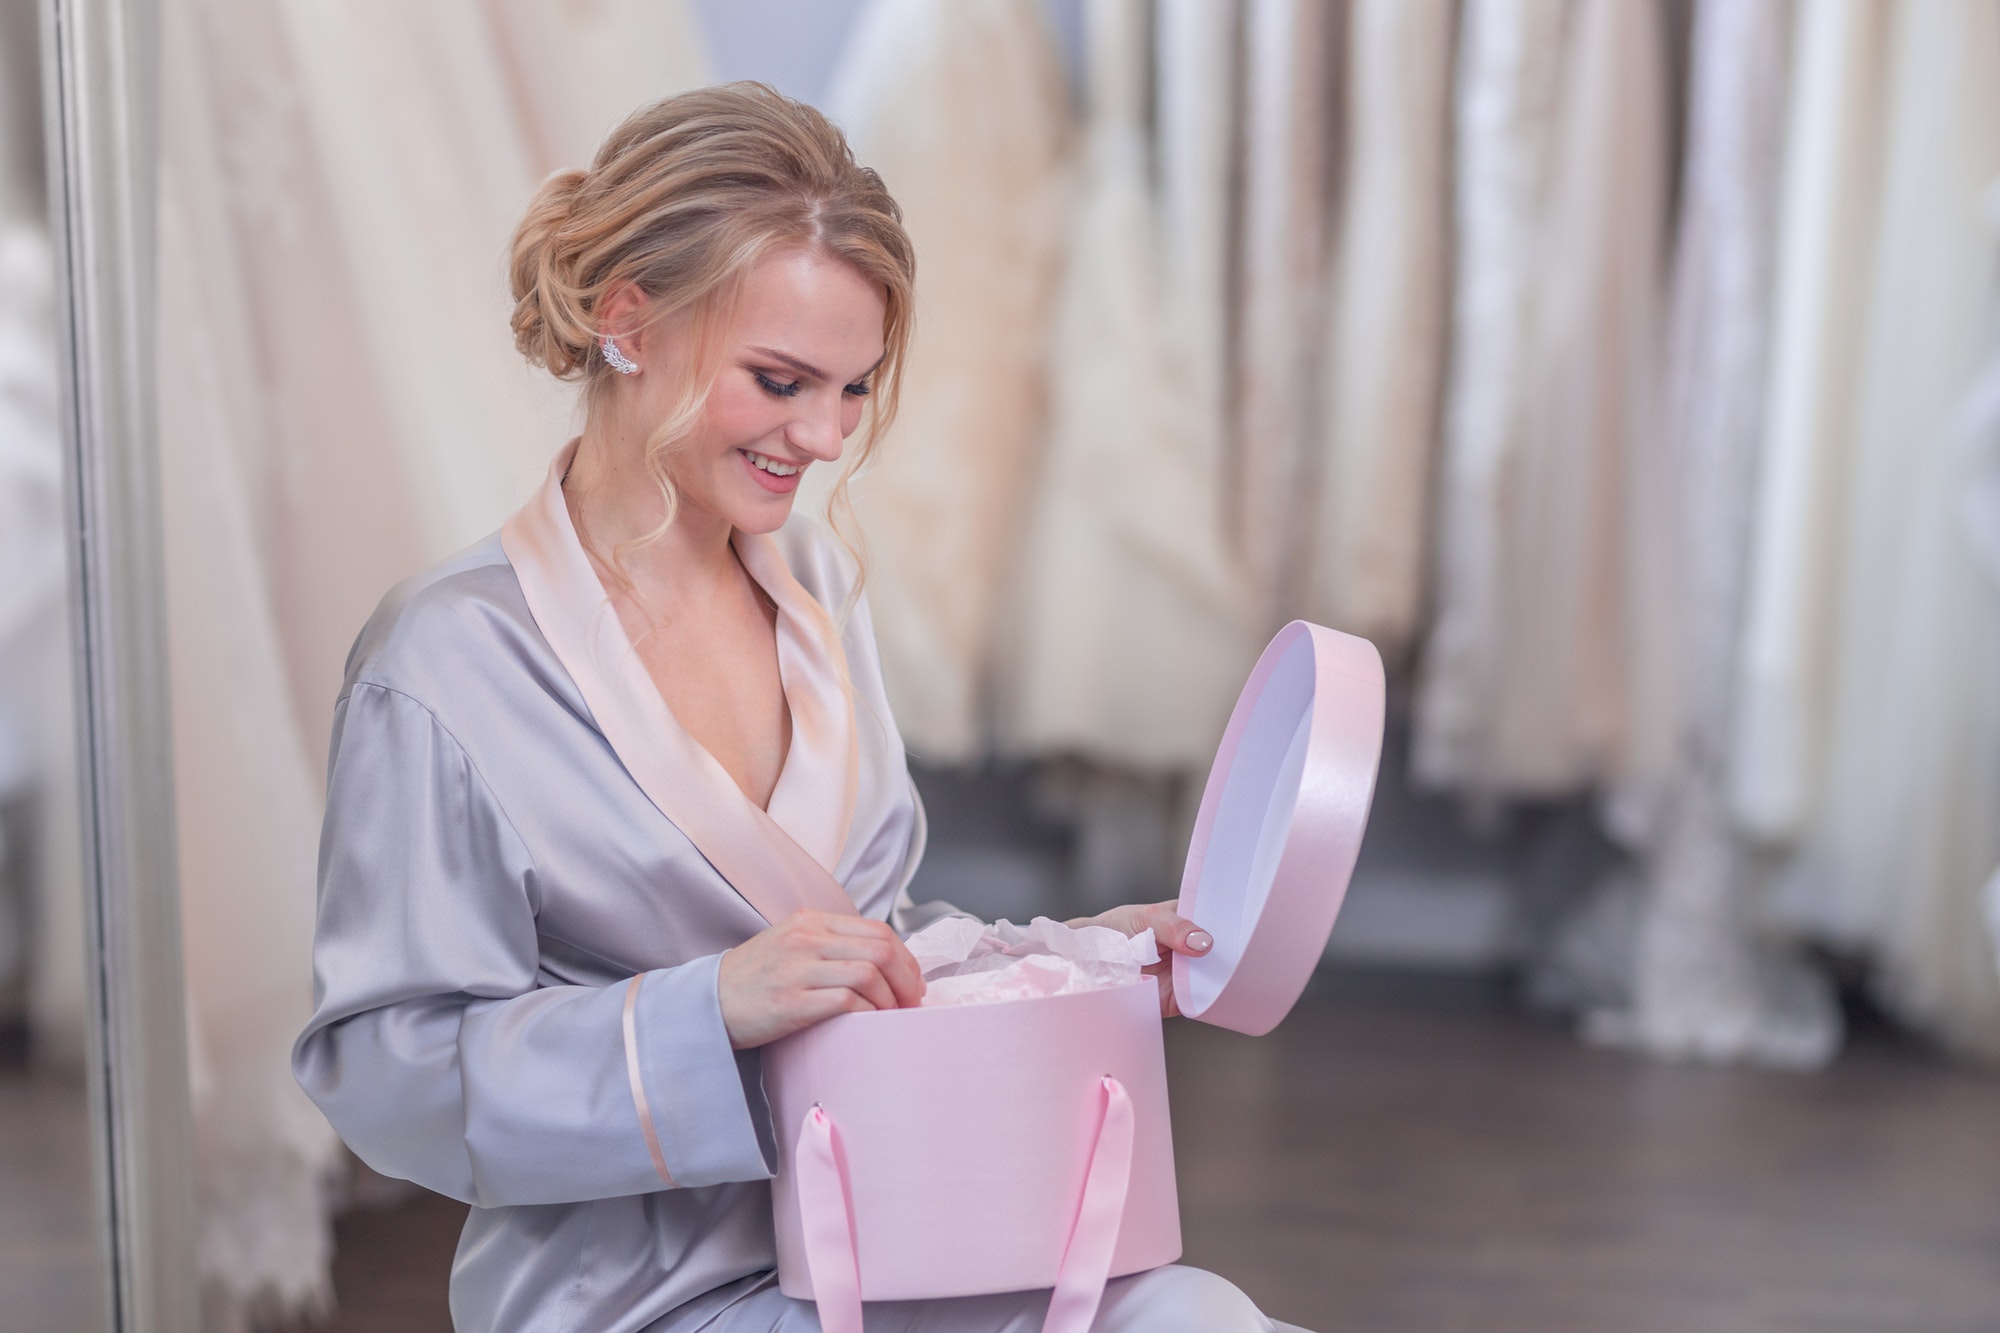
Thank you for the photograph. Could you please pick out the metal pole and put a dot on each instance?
(101, 59)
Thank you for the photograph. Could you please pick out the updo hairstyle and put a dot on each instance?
(682, 199)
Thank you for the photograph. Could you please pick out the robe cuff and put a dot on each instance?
(700, 1104)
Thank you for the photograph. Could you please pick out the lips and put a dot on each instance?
(759, 467)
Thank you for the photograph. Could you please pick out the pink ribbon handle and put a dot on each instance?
(1086, 1263)
(827, 1228)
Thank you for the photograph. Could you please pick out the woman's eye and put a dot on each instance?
(858, 390)
(770, 385)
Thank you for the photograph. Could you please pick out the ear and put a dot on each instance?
(622, 315)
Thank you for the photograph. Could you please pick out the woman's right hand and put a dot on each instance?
(810, 966)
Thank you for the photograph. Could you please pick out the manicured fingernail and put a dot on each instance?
(1199, 941)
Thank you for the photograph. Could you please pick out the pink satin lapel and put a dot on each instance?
(814, 798)
(747, 846)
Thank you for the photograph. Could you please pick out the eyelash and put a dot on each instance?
(772, 386)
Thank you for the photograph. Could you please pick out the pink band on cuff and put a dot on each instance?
(639, 1084)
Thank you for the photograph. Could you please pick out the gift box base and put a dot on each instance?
(964, 1135)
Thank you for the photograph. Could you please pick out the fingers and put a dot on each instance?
(860, 976)
(867, 940)
(1178, 934)
(905, 977)
(1174, 932)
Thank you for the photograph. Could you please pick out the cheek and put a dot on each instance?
(736, 416)
(851, 409)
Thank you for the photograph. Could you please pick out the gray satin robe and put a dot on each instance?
(527, 878)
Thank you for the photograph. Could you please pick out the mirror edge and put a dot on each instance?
(101, 59)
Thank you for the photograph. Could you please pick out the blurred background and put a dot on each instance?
(1627, 372)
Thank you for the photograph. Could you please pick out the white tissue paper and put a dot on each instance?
(969, 962)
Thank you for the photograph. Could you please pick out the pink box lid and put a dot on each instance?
(1280, 825)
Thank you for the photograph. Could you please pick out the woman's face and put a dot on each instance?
(796, 363)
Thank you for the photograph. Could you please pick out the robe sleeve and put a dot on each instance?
(436, 1052)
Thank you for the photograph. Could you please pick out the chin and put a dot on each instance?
(765, 514)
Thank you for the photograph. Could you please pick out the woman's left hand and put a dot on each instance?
(1174, 932)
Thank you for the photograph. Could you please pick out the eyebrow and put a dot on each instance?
(810, 370)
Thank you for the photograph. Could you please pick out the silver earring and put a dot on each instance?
(615, 358)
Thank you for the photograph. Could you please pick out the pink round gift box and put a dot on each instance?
(963, 1135)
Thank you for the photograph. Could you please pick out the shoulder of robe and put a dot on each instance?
(432, 626)
(817, 559)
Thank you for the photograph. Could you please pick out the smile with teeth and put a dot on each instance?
(772, 465)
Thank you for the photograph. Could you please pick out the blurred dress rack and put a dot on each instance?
(1627, 372)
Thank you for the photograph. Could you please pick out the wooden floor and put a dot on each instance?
(1413, 1162)
(1421, 1157)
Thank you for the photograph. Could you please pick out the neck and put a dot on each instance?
(613, 499)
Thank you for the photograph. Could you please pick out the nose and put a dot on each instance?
(817, 430)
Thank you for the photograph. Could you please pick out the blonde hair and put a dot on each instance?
(682, 199)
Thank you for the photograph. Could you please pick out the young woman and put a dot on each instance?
(615, 797)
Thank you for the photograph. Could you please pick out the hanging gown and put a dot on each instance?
(1831, 194)
(963, 108)
(38, 750)
(1938, 970)
(1385, 332)
(38, 738)
(1904, 833)
(1132, 631)
(1545, 671)
(32, 581)
(578, 68)
(339, 183)
(1195, 94)
(529, 873)
(1704, 985)
(1287, 104)
(403, 146)
(245, 802)
(1505, 105)
(1978, 520)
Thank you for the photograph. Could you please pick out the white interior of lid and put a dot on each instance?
(1252, 819)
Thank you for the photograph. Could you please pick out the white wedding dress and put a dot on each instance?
(1130, 628)
(1706, 985)
(340, 406)
(38, 738)
(1195, 80)
(1978, 522)
(1504, 113)
(963, 107)
(1385, 329)
(1546, 669)
(1903, 835)
(41, 933)
(1287, 109)
(1827, 216)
